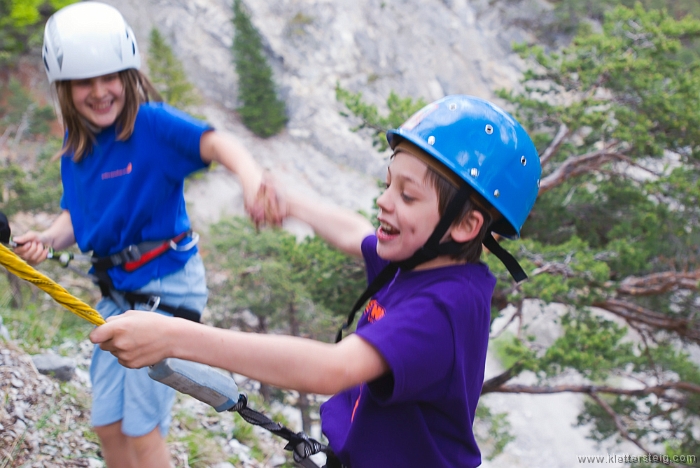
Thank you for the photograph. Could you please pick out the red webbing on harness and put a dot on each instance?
(153, 253)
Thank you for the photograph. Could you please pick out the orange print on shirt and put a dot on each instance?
(374, 311)
(117, 173)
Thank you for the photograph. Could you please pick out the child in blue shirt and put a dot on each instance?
(123, 166)
(406, 384)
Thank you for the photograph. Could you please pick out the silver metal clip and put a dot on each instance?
(153, 303)
(194, 239)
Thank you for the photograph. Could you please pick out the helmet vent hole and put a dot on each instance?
(431, 140)
(453, 106)
(496, 193)
(523, 161)
(489, 129)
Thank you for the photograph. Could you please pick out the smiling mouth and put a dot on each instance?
(388, 229)
(101, 106)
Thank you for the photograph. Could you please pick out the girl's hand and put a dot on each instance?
(136, 338)
(269, 206)
(32, 249)
(273, 199)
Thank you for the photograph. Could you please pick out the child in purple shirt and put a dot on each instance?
(431, 327)
(407, 382)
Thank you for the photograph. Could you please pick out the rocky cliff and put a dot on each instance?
(417, 48)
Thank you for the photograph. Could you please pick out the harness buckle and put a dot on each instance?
(130, 254)
(153, 303)
(194, 239)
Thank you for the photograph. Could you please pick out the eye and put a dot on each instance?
(407, 198)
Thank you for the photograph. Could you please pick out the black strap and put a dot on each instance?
(104, 281)
(514, 268)
(301, 445)
(432, 249)
(180, 312)
(130, 254)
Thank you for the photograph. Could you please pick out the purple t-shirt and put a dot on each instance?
(432, 328)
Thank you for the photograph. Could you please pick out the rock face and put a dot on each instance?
(416, 48)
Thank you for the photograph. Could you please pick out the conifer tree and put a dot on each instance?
(261, 110)
(168, 75)
(22, 26)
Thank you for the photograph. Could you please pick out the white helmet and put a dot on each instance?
(88, 39)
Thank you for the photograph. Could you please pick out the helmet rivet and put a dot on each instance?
(538, 183)
(523, 161)
(489, 129)
(452, 106)
(431, 140)
(474, 172)
(496, 193)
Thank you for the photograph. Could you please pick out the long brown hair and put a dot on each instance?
(137, 90)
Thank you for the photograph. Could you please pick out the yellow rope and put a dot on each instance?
(19, 267)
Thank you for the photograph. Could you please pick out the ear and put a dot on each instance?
(468, 227)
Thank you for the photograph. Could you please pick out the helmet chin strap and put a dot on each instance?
(433, 249)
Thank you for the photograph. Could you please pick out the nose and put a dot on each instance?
(99, 89)
(384, 201)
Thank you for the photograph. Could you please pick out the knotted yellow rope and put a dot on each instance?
(19, 267)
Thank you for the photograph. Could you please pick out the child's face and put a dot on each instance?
(408, 209)
(100, 100)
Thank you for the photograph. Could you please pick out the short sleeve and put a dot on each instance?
(417, 341)
(181, 133)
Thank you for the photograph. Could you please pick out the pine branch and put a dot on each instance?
(684, 327)
(577, 165)
(554, 146)
(664, 390)
(659, 283)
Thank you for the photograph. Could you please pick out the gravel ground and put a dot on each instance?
(45, 423)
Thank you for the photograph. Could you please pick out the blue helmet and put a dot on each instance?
(486, 147)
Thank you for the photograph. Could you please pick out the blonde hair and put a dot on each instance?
(137, 90)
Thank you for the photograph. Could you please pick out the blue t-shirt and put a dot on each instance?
(432, 328)
(128, 192)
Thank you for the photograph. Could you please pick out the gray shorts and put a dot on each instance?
(130, 395)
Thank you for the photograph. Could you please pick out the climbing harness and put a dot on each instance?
(135, 256)
(130, 259)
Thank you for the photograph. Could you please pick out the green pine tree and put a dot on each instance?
(168, 75)
(261, 110)
(22, 25)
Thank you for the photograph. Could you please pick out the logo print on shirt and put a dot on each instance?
(357, 403)
(117, 173)
(374, 311)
